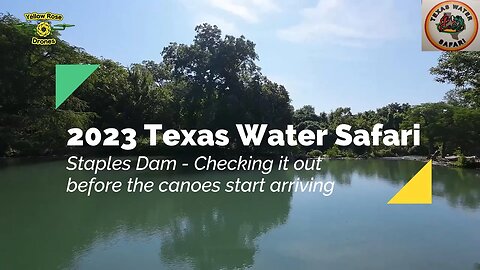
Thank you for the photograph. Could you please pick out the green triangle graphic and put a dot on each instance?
(68, 78)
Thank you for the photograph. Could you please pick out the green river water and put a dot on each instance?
(42, 227)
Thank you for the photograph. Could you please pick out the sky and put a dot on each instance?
(327, 53)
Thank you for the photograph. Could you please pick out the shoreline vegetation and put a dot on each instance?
(212, 83)
(452, 161)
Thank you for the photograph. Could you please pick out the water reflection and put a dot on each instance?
(41, 227)
(461, 188)
(55, 230)
(220, 234)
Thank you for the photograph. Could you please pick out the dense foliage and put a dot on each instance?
(212, 83)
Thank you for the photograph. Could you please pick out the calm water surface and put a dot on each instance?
(42, 227)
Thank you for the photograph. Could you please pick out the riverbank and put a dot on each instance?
(451, 161)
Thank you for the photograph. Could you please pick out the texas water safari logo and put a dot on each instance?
(41, 26)
(450, 25)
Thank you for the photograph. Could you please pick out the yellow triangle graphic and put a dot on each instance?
(418, 190)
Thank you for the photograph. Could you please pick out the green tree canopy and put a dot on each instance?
(462, 69)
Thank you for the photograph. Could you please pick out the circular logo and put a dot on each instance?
(43, 29)
(451, 26)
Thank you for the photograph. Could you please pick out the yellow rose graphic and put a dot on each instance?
(44, 29)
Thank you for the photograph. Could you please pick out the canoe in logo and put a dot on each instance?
(451, 26)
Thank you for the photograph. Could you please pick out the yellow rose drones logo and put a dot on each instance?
(450, 25)
(42, 29)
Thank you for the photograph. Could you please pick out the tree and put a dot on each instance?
(342, 115)
(447, 127)
(28, 123)
(217, 83)
(462, 69)
(392, 115)
(305, 113)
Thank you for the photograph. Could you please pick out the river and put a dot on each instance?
(42, 227)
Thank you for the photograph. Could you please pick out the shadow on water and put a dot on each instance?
(54, 229)
(42, 227)
(219, 231)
